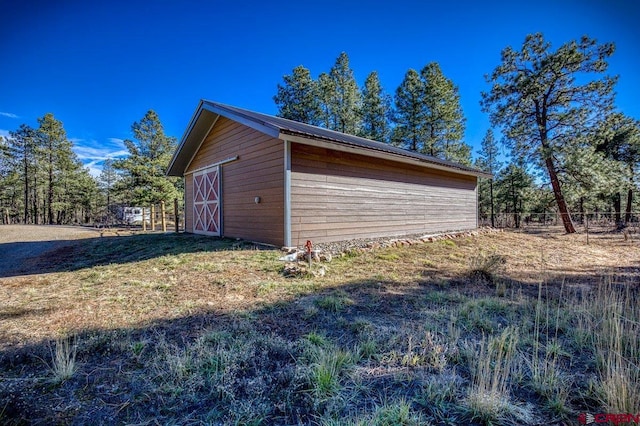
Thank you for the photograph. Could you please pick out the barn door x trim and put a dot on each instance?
(207, 218)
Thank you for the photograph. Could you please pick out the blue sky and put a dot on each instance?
(99, 66)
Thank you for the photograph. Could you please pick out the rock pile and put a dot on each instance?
(324, 252)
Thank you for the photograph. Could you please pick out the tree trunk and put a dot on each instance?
(617, 207)
(26, 191)
(50, 190)
(36, 210)
(557, 193)
(627, 212)
(514, 199)
(582, 210)
(520, 214)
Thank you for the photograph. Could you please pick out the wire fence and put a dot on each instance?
(586, 221)
(154, 217)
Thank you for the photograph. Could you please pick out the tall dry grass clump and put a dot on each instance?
(63, 359)
(545, 373)
(484, 267)
(615, 308)
(489, 397)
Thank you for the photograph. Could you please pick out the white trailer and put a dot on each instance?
(133, 215)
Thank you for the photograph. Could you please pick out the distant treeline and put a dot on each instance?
(563, 146)
(42, 181)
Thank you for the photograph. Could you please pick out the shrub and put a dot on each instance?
(484, 267)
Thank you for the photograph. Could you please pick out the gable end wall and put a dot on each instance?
(258, 172)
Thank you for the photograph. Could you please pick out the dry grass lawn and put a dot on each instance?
(182, 329)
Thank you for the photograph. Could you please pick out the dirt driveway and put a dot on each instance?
(20, 245)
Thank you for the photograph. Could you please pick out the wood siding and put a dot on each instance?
(339, 196)
(258, 172)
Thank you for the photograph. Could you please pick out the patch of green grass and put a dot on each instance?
(397, 413)
(137, 348)
(368, 349)
(446, 243)
(361, 325)
(334, 302)
(389, 257)
(430, 264)
(439, 398)
(558, 402)
(485, 315)
(444, 297)
(208, 266)
(326, 369)
(317, 339)
(266, 287)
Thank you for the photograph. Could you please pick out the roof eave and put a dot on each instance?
(170, 170)
(232, 114)
(188, 146)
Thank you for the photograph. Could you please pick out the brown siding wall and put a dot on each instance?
(338, 196)
(259, 172)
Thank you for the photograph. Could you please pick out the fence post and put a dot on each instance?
(144, 219)
(162, 216)
(153, 217)
(175, 214)
(586, 224)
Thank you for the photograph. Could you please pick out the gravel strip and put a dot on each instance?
(341, 247)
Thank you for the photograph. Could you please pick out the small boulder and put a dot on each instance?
(326, 257)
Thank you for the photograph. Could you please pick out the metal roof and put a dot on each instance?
(207, 113)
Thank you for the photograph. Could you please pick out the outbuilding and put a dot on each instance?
(272, 180)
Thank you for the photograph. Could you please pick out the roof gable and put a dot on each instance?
(208, 112)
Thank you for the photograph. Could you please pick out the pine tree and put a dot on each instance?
(53, 146)
(4, 153)
(6, 181)
(376, 108)
(22, 149)
(344, 97)
(491, 164)
(514, 185)
(541, 104)
(326, 94)
(297, 99)
(409, 117)
(588, 176)
(444, 119)
(619, 139)
(82, 200)
(42, 175)
(106, 183)
(143, 171)
(5, 169)
(428, 116)
(75, 190)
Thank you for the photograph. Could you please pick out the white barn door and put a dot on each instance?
(206, 201)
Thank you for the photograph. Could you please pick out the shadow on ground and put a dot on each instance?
(39, 257)
(252, 366)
